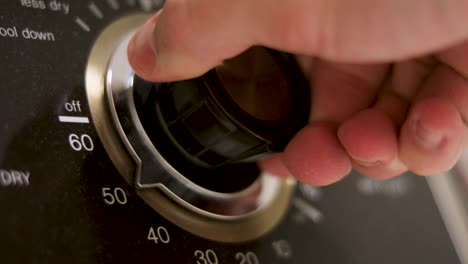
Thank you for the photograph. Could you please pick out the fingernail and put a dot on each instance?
(368, 163)
(140, 52)
(427, 137)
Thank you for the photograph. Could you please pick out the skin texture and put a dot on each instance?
(389, 78)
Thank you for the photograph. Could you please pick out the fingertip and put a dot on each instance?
(186, 39)
(140, 52)
(432, 138)
(370, 139)
(315, 156)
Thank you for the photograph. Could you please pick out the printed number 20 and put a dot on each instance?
(247, 258)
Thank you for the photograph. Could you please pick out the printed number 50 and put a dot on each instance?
(112, 196)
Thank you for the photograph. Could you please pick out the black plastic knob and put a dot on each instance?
(245, 108)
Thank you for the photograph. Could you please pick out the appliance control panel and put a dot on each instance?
(86, 178)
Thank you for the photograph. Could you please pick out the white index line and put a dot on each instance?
(113, 4)
(82, 24)
(74, 119)
(95, 10)
(310, 211)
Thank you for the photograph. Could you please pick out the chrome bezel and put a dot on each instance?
(109, 77)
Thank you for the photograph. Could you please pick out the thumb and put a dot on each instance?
(189, 37)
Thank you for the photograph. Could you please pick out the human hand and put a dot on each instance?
(389, 77)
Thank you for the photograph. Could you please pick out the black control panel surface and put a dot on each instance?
(63, 201)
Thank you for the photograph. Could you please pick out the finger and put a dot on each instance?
(371, 140)
(434, 135)
(187, 38)
(371, 137)
(316, 157)
(406, 80)
(432, 138)
(452, 83)
(340, 90)
(140, 49)
(191, 37)
(449, 83)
